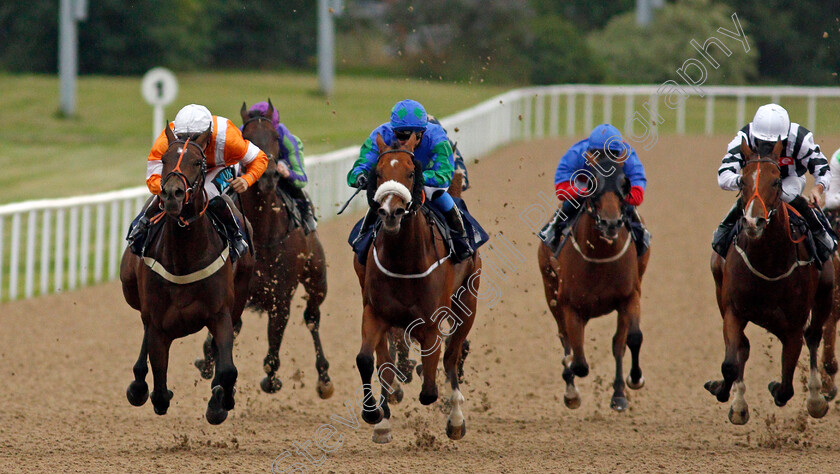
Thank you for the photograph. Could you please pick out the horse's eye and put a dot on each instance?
(777, 183)
(197, 163)
(411, 175)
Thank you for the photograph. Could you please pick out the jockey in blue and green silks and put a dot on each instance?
(434, 153)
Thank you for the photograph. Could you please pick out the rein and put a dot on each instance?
(786, 209)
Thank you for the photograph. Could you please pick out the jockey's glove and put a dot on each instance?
(361, 181)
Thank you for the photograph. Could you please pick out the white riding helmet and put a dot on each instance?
(771, 123)
(191, 119)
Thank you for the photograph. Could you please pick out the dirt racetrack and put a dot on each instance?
(66, 361)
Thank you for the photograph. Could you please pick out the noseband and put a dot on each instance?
(589, 207)
(410, 207)
(191, 187)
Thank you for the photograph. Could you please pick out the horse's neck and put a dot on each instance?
(774, 245)
(413, 246)
(589, 238)
(266, 211)
(184, 249)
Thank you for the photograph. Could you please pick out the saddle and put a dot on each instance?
(361, 239)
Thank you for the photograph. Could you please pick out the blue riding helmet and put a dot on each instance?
(606, 137)
(409, 115)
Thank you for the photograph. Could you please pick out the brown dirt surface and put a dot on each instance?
(66, 360)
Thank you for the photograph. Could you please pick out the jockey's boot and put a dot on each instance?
(640, 233)
(139, 230)
(367, 223)
(460, 244)
(723, 235)
(824, 242)
(307, 215)
(559, 225)
(222, 208)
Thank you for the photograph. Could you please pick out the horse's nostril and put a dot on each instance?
(381, 212)
(179, 193)
(399, 212)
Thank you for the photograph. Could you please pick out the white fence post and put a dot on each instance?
(710, 114)
(570, 114)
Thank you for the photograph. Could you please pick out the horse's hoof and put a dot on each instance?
(204, 367)
(774, 388)
(382, 432)
(831, 394)
(635, 385)
(215, 413)
(715, 388)
(407, 370)
(137, 393)
(580, 370)
(740, 417)
(397, 395)
(428, 398)
(456, 432)
(373, 417)
(618, 404)
(272, 385)
(325, 389)
(572, 403)
(817, 407)
(161, 405)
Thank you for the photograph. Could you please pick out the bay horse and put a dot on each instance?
(284, 259)
(185, 281)
(409, 283)
(769, 279)
(594, 274)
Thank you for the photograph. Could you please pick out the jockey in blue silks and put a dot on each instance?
(434, 153)
(605, 139)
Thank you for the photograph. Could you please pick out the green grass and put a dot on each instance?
(104, 147)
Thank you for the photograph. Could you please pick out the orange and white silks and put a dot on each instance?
(226, 147)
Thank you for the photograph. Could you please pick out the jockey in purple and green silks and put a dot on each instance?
(434, 153)
(290, 163)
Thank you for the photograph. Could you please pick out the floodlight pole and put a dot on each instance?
(326, 47)
(69, 12)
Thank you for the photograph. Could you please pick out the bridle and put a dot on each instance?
(258, 118)
(757, 197)
(601, 224)
(412, 206)
(198, 182)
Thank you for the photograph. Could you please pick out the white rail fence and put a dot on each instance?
(60, 244)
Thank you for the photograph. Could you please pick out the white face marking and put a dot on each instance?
(386, 204)
(394, 163)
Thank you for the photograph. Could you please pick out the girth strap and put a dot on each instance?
(193, 277)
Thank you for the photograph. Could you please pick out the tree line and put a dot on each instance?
(498, 41)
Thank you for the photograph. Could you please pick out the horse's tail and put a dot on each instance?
(457, 183)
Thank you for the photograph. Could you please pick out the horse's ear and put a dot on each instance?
(777, 148)
(411, 144)
(380, 143)
(746, 152)
(202, 139)
(243, 112)
(270, 113)
(170, 135)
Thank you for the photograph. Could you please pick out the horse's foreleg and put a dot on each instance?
(138, 391)
(571, 398)
(278, 319)
(574, 327)
(373, 329)
(430, 351)
(739, 412)
(222, 400)
(733, 329)
(456, 423)
(386, 371)
(791, 348)
(315, 283)
(619, 343)
(158, 346)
